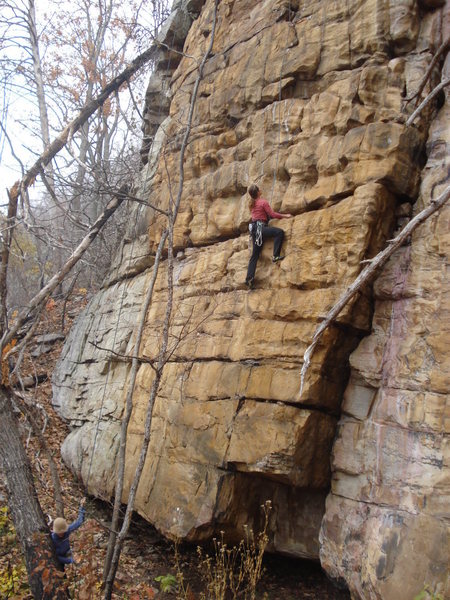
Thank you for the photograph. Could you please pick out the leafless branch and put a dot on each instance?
(127, 415)
(11, 148)
(125, 357)
(426, 101)
(67, 213)
(109, 581)
(145, 203)
(53, 283)
(367, 275)
(443, 48)
(87, 111)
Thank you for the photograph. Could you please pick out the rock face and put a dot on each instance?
(390, 457)
(306, 99)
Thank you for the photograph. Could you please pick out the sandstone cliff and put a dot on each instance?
(306, 99)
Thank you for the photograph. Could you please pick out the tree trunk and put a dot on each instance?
(44, 572)
(42, 103)
(39, 81)
(28, 412)
(6, 246)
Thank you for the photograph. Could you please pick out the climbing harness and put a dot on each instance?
(257, 227)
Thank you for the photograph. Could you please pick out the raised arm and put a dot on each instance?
(273, 214)
(79, 521)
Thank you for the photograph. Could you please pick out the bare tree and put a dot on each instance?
(38, 78)
(116, 540)
(60, 63)
(27, 514)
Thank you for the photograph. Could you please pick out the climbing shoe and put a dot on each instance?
(250, 283)
(277, 258)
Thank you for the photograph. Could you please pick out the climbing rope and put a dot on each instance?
(283, 61)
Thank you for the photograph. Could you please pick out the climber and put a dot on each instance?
(60, 535)
(261, 212)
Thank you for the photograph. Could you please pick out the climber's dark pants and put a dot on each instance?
(267, 232)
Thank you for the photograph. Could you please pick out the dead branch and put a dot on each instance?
(145, 203)
(125, 357)
(89, 109)
(367, 275)
(426, 101)
(443, 48)
(184, 333)
(53, 283)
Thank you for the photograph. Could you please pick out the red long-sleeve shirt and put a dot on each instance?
(262, 211)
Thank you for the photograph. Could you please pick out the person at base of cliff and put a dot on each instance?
(60, 536)
(261, 212)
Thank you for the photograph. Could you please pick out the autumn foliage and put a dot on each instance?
(5, 363)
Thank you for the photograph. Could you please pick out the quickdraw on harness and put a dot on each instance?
(258, 232)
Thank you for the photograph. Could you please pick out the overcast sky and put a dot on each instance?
(19, 110)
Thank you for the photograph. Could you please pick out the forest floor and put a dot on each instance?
(146, 554)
